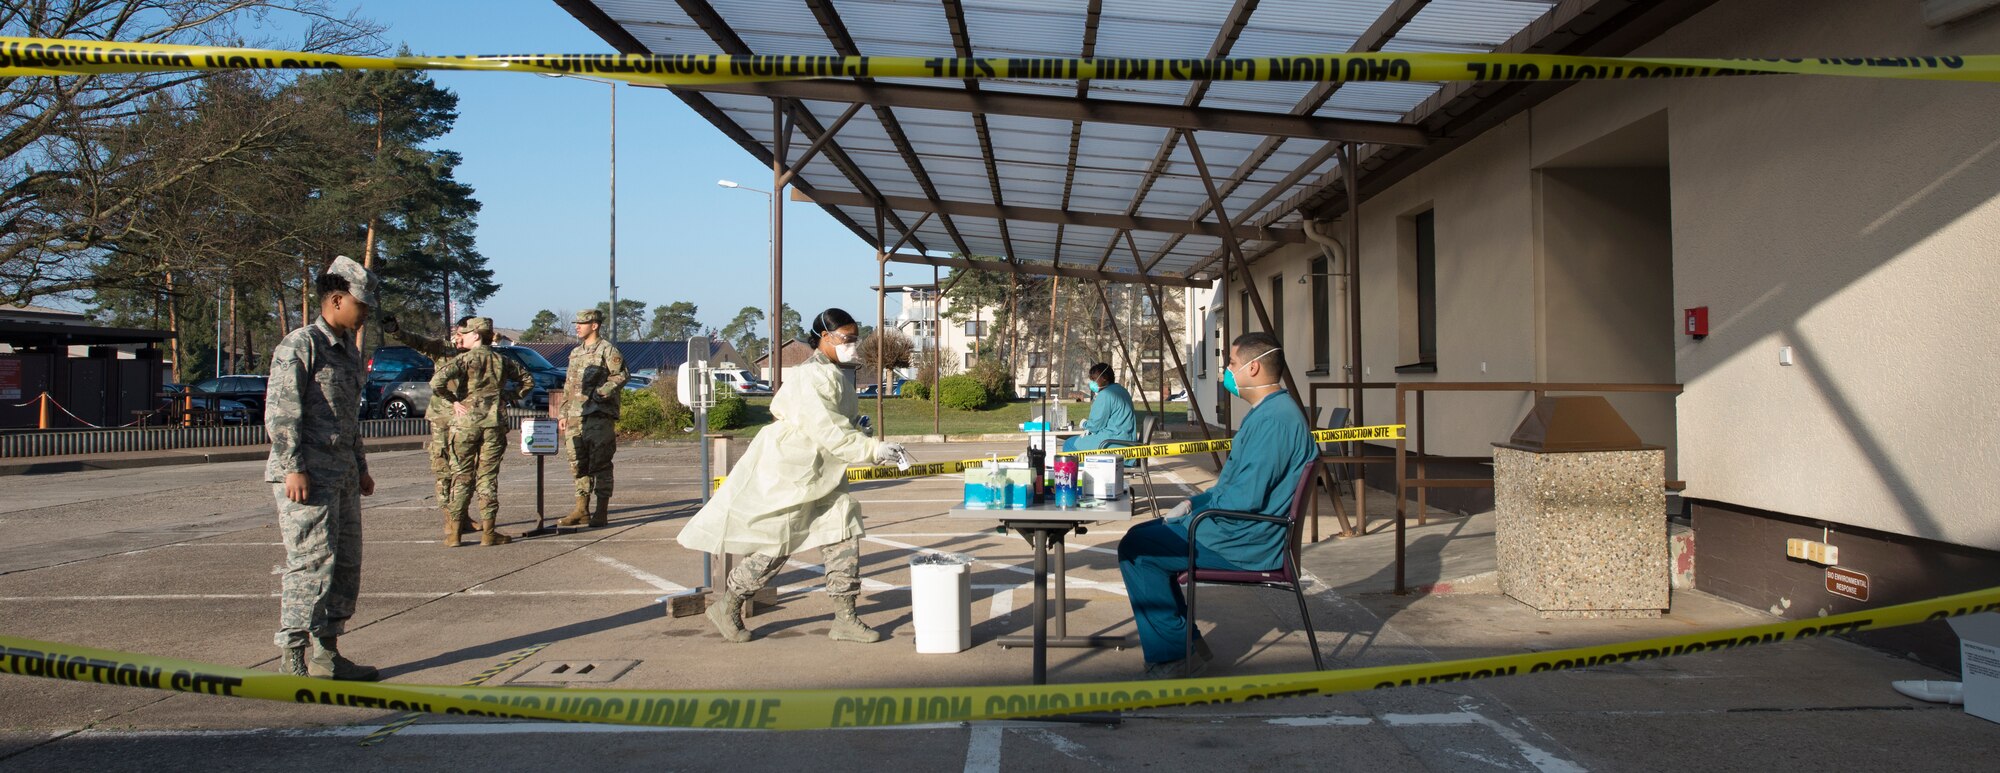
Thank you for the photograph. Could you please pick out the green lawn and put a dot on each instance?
(905, 416)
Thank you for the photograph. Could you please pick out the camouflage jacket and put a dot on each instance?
(313, 407)
(440, 352)
(484, 381)
(596, 380)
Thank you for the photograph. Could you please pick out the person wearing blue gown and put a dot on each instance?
(1111, 417)
(1266, 457)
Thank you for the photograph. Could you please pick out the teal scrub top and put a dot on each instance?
(1111, 418)
(1266, 457)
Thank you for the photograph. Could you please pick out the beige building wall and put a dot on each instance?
(1854, 221)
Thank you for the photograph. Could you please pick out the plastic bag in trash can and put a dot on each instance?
(940, 559)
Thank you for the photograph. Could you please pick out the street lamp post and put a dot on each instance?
(777, 283)
(611, 324)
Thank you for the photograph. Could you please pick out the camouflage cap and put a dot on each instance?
(477, 325)
(591, 316)
(361, 282)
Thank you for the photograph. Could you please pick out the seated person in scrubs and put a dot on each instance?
(789, 492)
(1111, 416)
(1266, 458)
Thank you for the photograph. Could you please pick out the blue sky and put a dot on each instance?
(536, 154)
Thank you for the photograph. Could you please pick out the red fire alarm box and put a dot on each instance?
(1697, 322)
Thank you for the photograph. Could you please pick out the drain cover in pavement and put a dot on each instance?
(569, 671)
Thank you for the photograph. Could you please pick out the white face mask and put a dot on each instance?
(847, 352)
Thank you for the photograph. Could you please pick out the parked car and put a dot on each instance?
(233, 412)
(406, 387)
(894, 389)
(391, 365)
(246, 390)
(741, 382)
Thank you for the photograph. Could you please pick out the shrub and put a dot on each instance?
(642, 415)
(730, 412)
(962, 393)
(919, 390)
(679, 416)
(992, 376)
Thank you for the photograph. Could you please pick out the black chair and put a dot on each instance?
(1144, 466)
(1285, 577)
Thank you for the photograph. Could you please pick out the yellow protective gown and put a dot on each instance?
(789, 492)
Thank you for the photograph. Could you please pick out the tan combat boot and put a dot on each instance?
(492, 536)
(847, 626)
(452, 527)
(727, 615)
(293, 663)
(326, 662)
(578, 516)
(466, 524)
(598, 517)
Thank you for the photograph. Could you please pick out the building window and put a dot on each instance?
(1322, 311)
(1243, 302)
(1420, 288)
(971, 359)
(976, 329)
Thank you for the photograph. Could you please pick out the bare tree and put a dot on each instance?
(85, 169)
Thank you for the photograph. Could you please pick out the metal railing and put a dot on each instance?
(33, 443)
(1404, 462)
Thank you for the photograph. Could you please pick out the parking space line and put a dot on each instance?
(1003, 603)
(982, 750)
(636, 573)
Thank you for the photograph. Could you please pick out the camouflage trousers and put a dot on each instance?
(591, 441)
(475, 468)
(441, 460)
(322, 570)
(843, 570)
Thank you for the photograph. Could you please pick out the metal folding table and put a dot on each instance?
(1045, 526)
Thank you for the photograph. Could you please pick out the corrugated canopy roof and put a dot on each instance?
(1092, 178)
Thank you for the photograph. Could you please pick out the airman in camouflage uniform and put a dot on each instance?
(589, 420)
(438, 411)
(478, 385)
(319, 472)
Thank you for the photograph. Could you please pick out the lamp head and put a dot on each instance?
(727, 183)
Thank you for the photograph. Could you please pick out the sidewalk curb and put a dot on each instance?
(48, 465)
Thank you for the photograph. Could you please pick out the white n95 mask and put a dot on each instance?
(847, 352)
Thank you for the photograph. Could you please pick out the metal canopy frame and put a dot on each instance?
(1165, 184)
(1063, 174)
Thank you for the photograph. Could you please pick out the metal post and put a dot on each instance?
(937, 335)
(1180, 367)
(613, 322)
(881, 319)
(218, 331)
(1347, 160)
(781, 135)
(1399, 493)
(1423, 493)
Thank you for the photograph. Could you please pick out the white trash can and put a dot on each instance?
(941, 602)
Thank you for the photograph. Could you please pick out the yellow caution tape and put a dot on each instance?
(821, 709)
(892, 472)
(32, 56)
(1346, 435)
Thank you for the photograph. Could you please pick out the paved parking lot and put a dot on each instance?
(178, 561)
